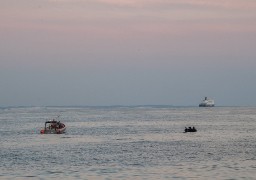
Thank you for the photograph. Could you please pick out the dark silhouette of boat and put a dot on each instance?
(193, 129)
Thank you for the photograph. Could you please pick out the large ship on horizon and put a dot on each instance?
(207, 103)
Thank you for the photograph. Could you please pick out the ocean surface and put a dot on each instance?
(129, 143)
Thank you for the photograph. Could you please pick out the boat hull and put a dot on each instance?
(190, 130)
(206, 105)
(54, 130)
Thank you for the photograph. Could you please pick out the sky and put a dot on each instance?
(127, 52)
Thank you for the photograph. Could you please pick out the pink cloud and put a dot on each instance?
(228, 4)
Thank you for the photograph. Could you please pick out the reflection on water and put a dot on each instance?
(129, 143)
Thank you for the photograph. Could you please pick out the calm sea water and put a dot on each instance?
(129, 143)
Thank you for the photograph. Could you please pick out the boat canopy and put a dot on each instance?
(52, 121)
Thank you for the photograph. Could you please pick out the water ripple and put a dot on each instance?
(129, 143)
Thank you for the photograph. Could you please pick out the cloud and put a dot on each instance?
(222, 4)
(227, 4)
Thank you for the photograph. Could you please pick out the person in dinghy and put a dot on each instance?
(193, 129)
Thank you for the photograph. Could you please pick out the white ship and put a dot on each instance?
(207, 103)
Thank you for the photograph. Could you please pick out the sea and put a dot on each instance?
(133, 142)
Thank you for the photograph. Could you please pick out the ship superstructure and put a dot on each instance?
(207, 103)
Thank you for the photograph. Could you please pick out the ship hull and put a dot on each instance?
(206, 105)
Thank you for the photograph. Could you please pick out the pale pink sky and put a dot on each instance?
(117, 38)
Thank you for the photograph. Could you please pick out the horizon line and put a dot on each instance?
(102, 106)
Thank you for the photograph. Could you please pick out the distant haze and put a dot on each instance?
(127, 52)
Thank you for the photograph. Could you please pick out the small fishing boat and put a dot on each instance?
(53, 127)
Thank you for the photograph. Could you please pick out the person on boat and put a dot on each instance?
(60, 125)
(193, 129)
(186, 129)
(53, 124)
(57, 124)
